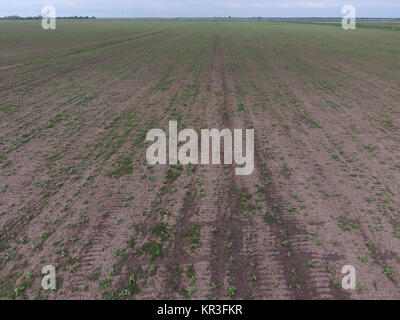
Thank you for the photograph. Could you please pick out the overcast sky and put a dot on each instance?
(202, 8)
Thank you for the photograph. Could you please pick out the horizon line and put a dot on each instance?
(208, 17)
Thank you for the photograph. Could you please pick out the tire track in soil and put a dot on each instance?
(321, 280)
(92, 251)
(178, 254)
(131, 264)
(79, 50)
(19, 224)
(217, 264)
(189, 207)
(227, 119)
(177, 251)
(132, 36)
(103, 227)
(301, 252)
(310, 281)
(228, 211)
(96, 235)
(6, 91)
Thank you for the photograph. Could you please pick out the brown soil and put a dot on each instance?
(76, 191)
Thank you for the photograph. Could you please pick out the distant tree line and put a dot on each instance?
(39, 17)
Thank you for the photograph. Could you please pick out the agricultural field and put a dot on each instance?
(76, 191)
